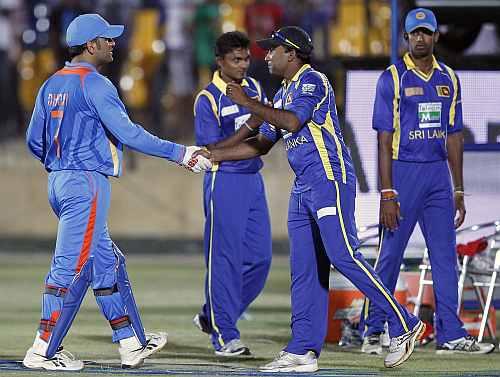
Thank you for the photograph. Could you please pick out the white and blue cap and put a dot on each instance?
(89, 26)
(420, 17)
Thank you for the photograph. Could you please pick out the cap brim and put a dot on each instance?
(425, 26)
(268, 43)
(113, 31)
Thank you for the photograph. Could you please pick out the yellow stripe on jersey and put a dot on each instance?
(366, 308)
(116, 160)
(363, 268)
(396, 136)
(317, 135)
(257, 86)
(210, 252)
(331, 129)
(211, 99)
(455, 94)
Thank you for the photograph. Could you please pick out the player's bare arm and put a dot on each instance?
(389, 207)
(455, 147)
(282, 119)
(252, 147)
(248, 129)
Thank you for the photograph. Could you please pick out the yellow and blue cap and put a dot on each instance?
(291, 36)
(89, 26)
(420, 17)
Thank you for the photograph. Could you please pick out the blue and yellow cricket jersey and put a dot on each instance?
(419, 109)
(80, 123)
(316, 151)
(217, 118)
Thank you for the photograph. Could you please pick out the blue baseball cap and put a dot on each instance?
(420, 17)
(89, 26)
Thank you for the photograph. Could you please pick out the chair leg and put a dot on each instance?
(486, 309)
(461, 282)
(420, 294)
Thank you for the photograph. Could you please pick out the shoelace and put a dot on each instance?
(64, 355)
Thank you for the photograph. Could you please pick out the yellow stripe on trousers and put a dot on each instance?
(367, 300)
(210, 250)
(360, 265)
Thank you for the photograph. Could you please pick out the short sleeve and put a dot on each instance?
(312, 89)
(456, 120)
(206, 122)
(385, 100)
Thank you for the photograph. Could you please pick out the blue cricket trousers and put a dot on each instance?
(237, 247)
(81, 199)
(322, 231)
(426, 197)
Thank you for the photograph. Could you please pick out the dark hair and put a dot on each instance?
(76, 50)
(230, 41)
(304, 58)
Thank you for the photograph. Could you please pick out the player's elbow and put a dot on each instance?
(294, 124)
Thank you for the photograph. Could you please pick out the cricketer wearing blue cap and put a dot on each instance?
(237, 241)
(321, 223)
(418, 117)
(77, 131)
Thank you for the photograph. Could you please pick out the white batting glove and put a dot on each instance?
(195, 164)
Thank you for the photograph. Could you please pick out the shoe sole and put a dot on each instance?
(37, 367)
(242, 352)
(145, 356)
(409, 351)
(451, 352)
(298, 368)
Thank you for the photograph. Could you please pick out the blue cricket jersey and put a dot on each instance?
(317, 150)
(80, 123)
(420, 110)
(217, 117)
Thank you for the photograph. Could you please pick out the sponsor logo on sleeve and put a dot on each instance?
(308, 88)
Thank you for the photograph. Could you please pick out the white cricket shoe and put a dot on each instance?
(402, 346)
(233, 348)
(372, 344)
(133, 353)
(62, 360)
(465, 345)
(290, 362)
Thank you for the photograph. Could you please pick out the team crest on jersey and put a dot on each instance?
(308, 88)
(414, 91)
(288, 99)
(443, 90)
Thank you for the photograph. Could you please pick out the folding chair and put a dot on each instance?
(491, 243)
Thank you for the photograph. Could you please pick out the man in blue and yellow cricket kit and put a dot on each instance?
(418, 117)
(237, 241)
(321, 223)
(77, 131)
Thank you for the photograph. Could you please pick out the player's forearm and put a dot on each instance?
(282, 119)
(385, 159)
(242, 151)
(455, 147)
(242, 134)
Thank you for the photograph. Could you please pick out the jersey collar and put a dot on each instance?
(410, 65)
(297, 75)
(221, 84)
(81, 64)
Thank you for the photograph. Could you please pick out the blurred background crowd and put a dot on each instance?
(166, 54)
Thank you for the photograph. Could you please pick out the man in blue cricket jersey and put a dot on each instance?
(418, 117)
(237, 241)
(78, 129)
(321, 223)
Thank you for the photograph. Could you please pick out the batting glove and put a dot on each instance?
(195, 164)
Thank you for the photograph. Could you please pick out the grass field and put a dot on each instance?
(168, 289)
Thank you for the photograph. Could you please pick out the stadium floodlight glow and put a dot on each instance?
(126, 83)
(158, 46)
(42, 25)
(29, 36)
(40, 11)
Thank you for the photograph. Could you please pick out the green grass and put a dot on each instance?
(169, 291)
